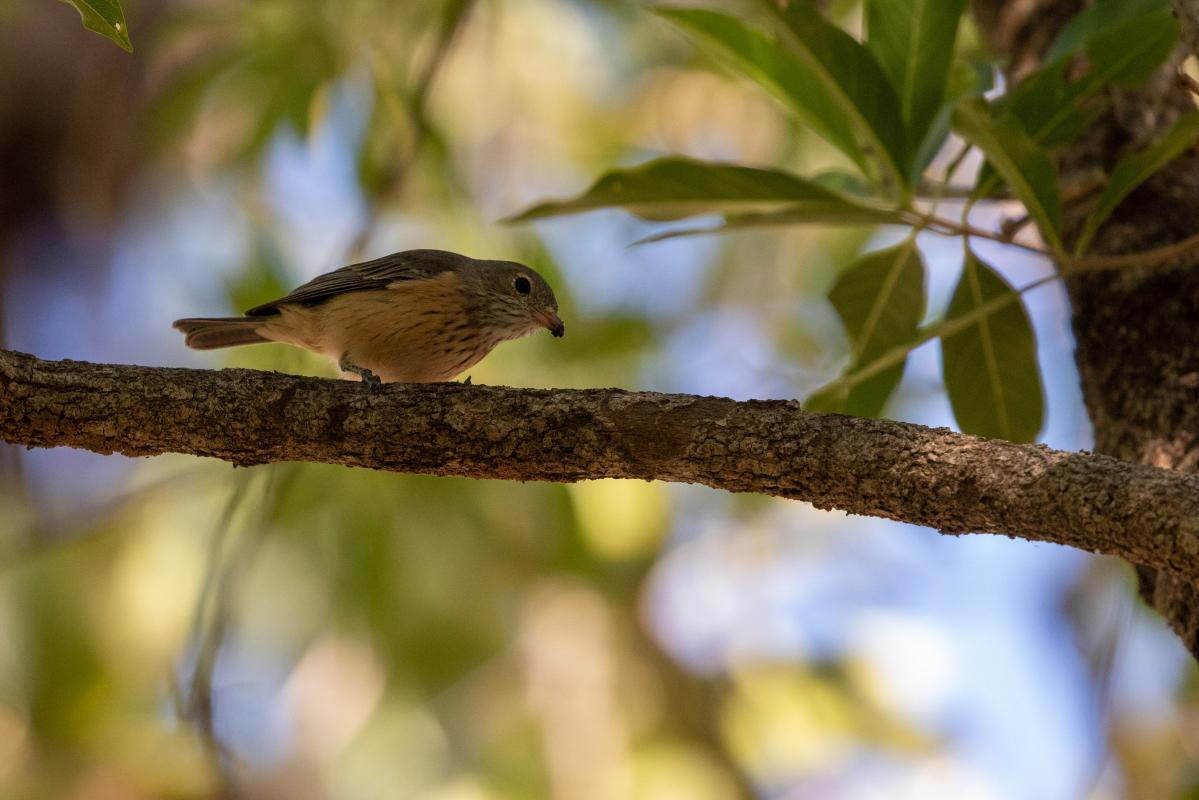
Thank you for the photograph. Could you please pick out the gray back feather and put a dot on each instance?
(378, 274)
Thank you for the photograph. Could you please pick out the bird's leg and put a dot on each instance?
(466, 381)
(369, 378)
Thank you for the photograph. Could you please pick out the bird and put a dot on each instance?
(418, 316)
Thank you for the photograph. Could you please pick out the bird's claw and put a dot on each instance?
(369, 378)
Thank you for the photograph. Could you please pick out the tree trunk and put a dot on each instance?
(1137, 333)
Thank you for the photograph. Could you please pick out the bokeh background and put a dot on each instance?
(176, 627)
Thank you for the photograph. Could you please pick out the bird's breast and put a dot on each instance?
(412, 332)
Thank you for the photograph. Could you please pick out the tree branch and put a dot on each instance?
(934, 477)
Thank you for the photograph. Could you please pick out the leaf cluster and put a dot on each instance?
(891, 104)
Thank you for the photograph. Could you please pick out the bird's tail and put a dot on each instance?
(211, 333)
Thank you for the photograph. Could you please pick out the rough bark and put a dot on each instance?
(1136, 332)
(934, 477)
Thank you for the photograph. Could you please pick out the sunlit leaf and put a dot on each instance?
(1015, 156)
(1135, 169)
(913, 41)
(880, 299)
(798, 83)
(672, 188)
(106, 18)
(849, 73)
(990, 368)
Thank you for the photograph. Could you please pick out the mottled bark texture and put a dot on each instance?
(1137, 332)
(933, 477)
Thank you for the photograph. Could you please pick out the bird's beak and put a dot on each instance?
(550, 321)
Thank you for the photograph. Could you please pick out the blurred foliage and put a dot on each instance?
(299, 631)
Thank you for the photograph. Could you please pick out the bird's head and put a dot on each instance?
(516, 301)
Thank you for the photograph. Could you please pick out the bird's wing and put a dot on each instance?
(409, 265)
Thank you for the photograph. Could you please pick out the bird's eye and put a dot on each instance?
(522, 285)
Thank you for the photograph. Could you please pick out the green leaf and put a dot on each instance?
(1022, 163)
(793, 81)
(880, 300)
(813, 213)
(1080, 113)
(1054, 109)
(1035, 100)
(1094, 22)
(898, 353)
(849, 73)
(1128, 54)
(990, 368)
(106, 18)
(913, 41)
(965, 80)
(843, 183)
(1135, 169)
(671, 188)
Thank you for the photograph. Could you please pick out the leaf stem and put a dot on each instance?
(946, 327)
(946, 227)
(1146, 258)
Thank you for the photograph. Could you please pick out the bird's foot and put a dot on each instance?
(371, 380)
